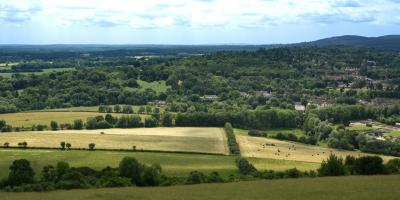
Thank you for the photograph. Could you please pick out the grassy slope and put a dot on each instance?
(329, 188)
(174, 164)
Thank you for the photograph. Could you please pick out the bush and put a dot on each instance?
(245, 167)
(196, 177)
(257, 134)
(91, 146)
(117, 182)
(293, 173)
(393, 166)
(21, 172)
(369, 165)
(333, 166)
(233, 145)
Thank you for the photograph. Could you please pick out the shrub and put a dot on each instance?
(393, 166)
(333, 166)
(293, 173)
(368, 165)
(117, 182)
(233, 145)
(130, 168)
(196, 177)
(21, 172)
(245, 167)
(92, 146)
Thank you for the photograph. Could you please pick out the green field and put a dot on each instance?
(173, 164)
(393, 133)
(328, 188)
(158, 86)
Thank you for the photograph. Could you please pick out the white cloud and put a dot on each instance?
(197, 13)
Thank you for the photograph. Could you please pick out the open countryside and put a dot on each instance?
(202, 140)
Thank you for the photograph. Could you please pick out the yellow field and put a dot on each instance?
(28, 119)
(207, 140)
(261, 148)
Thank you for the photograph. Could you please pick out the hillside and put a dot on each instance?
(391, 42)
(351, 187)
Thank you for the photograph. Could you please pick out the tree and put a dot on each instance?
(54, 125)
(78, 124)
(129, 167)
(333, 166)
(62, 168)
(6, 144)
(21, 172)
(150, 122)
(142, 110)
(117, 108)
(49, 173)
(393, 166)
(196, 177)
(92, 146)
(166, 119)
(68, 145)
(2, 124)
(62, 144)
(245, 167)
(127, 109)
(369, 165)
(152, 175)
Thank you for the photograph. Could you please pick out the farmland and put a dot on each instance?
(330, 188)
(27, 119)
(262, 148)
(208, 140)
(173, 164)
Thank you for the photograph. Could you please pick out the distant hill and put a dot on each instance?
(384, 42)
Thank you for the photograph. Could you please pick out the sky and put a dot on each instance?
(192, 21)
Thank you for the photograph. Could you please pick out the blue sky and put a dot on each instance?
(192, 21)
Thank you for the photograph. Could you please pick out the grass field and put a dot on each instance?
(158, 86)
(173, 164)
(256, 147)
(205, 140)
(328, 188)
(28, 119)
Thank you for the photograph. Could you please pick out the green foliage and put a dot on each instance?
(393, 166)
(333, 166)
(232, 143)
(21, 172)
(245, 167)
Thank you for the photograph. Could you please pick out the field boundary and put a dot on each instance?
(114, 150)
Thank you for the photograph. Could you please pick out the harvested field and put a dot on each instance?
(28, 119)
(204, 140)
(276, 149)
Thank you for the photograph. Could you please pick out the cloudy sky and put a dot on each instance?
(192, 21)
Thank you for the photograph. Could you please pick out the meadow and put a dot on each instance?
(283, 150)
(327, 188)
(204, 140)
(173, 164)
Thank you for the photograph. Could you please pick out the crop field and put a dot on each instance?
(173, 164)
(205, 140)
(28, 119)
(327, 188)
(275, 149)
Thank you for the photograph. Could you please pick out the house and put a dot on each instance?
(263, 93)
(299, 107)
(209, 97)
